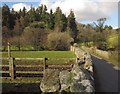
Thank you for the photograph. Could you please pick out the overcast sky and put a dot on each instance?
(86, 11)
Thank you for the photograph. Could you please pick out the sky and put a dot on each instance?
(86, 11)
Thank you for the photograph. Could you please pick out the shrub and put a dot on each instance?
(112, 41)
(58, 41)
(35, 37)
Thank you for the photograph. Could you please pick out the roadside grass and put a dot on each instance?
(113, 58)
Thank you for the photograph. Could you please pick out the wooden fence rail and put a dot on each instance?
(12, 66)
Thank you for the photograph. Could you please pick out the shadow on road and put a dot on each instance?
(106, 77)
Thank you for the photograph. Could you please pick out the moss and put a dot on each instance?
(71, 75)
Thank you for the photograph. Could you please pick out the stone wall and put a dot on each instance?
(84, 57)
(78, 79)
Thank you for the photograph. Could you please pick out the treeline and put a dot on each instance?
(33, 28)
(38, 29)
(99, 35)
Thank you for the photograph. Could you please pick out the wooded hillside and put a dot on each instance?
(38, 29)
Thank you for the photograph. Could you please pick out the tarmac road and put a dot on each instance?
(106, 76)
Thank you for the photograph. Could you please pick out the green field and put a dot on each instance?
(34, 54)
(40, 54)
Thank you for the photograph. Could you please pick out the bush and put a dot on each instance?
(112, 41)
(58, 41)
(113, 56)
(102, 46)
(35, 37)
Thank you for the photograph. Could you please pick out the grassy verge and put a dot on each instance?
(113, 57)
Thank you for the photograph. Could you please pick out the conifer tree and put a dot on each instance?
(58, 20)
(44, 13)
(64, 20)
(24, 12)
(32, 14)
(71, 25)
(50, 20)
(6, 16)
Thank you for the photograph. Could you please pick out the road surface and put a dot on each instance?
(106, 76)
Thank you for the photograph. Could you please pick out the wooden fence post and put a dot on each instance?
(44, 65)
(73, 49)
(77, 60)
(9, 52)
(12, 68)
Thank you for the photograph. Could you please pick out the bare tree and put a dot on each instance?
(100, 24)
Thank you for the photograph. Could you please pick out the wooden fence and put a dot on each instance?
(12, 67)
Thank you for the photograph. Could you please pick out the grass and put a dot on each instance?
(35, 54)
(21, 80)
(40, 54)
(113, 58)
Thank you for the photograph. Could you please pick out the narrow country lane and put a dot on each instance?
(106, 77)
